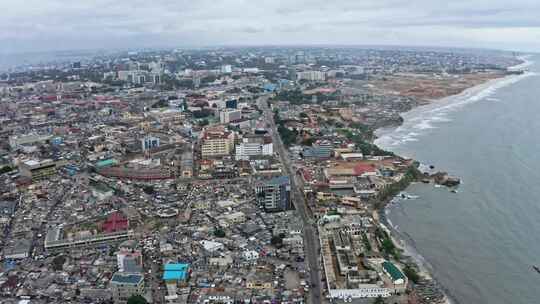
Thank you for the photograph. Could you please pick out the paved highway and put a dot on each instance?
(311, 240)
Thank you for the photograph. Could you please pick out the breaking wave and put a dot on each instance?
(419, 121)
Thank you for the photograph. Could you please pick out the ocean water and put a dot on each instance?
(481, 242)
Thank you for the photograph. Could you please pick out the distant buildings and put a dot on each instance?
(226, 69)
(311, 76)
(138, 77)
(274, 194)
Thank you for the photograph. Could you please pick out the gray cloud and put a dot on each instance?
(65, 24)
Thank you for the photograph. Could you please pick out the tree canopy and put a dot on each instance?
(137, 299)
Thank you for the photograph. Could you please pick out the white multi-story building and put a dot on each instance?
(254, 146)
(226, 69)
(228, 115)
(311, 76)
(139, 77)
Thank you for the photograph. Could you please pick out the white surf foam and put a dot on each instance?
(419, 121)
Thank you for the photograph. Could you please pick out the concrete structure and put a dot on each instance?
(228, 115)
(226, 69)
(129, 261)
(149, 143)
(55, 239)
(38, 170)
(125, 285)
(254, 146)
(311, 76)
(19, 250)
(274, 194)
(216, 142)
(17, 141)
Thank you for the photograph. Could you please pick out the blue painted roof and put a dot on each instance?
(176, 267)
(175, 271)
(174, 275)
(106, 163)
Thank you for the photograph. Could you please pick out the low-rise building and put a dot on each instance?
(125, 285)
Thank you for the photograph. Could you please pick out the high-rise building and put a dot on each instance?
(274, 194)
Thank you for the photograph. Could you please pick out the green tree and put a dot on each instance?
(149, 189)
(277, 241)
(308, 141)
(288, 136)
(203, 122)
(411, 274)
(137, 299)
(218, 232)
(379, 300)
(58, 263)
(365, 240)
(5, 169)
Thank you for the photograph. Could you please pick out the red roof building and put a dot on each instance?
(115, 222)
(363, 168)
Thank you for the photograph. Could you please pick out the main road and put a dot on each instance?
(311, 240)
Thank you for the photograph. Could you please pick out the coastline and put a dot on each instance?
(390, 137)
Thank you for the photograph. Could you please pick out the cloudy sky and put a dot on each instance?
(38, 25)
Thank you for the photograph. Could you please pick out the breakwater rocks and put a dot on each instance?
(442, 178)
